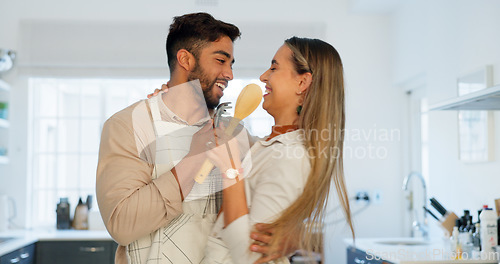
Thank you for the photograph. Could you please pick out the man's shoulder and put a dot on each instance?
(137, 108)
(137, 112)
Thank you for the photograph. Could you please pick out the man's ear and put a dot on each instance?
(186, 60)
(305, 81)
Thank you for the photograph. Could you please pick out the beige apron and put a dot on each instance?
(185, 238)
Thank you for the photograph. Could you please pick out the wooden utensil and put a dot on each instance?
(248, 100)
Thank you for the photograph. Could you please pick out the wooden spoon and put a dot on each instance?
(248, 100)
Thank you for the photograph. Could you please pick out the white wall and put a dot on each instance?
(442, 40)
(363, 41)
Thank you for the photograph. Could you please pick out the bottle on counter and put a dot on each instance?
(63, 218)
(465, 233)
(80, 219)
(489, 231)
(470, 225)
(466, 236)
(88, 202)
(454, 241)
(464, 218)
(476, 241)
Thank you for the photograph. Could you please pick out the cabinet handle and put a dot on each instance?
(359, 261)
(92, 249)
(15, 260)
(25, 255)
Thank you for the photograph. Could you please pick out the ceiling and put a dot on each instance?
(374, 6)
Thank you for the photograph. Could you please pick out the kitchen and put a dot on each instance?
(401, 58)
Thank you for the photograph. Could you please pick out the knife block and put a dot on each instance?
(447, 222)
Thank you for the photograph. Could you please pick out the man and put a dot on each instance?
(138, 201)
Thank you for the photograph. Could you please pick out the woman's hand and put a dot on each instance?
(224, 153)
(164, 88)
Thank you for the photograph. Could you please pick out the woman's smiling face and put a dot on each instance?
(282, 82)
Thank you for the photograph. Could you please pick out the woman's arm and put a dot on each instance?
(234, 202)
(278, 184)
(226, 156)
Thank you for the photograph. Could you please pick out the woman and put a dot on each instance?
(293, 168)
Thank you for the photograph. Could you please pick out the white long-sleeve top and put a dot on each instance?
(278, 175)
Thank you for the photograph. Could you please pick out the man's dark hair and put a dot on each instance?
(193, 31)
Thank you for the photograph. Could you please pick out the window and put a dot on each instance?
(67, 117)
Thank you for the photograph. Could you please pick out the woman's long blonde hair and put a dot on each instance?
(323, 110)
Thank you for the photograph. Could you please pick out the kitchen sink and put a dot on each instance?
(403, 242)
(5, 239)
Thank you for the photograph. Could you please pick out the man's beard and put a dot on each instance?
(207, 86)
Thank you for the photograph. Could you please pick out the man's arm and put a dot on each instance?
(262, 235)
(132, 205)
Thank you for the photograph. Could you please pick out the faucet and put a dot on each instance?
(417, 226)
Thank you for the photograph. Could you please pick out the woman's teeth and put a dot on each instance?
(222, 86)
(268, 91)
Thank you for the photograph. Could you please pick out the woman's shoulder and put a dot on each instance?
(291, 145)
(282, 155)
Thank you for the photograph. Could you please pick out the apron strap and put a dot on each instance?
(211, 199)
(155, 111)
(155, 114)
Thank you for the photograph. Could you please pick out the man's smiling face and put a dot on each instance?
(214, 69)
